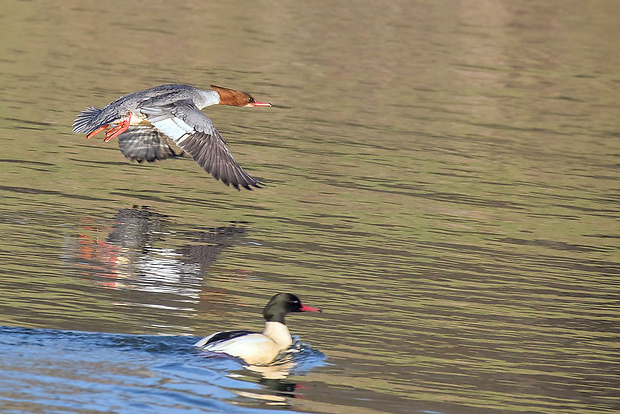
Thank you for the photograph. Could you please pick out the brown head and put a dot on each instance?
(236, 98)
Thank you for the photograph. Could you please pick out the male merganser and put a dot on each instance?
(145, 119)
(259, 348)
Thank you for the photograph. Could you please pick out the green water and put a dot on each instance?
(442, 179)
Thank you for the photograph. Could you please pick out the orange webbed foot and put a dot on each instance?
(96, 131)
(118, 129)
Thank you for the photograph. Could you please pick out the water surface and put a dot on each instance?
(441, 178)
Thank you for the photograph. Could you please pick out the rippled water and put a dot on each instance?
(94, 372)
(442, 180)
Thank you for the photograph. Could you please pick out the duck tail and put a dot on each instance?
(86, 121)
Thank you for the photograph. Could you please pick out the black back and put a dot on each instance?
(224, 336)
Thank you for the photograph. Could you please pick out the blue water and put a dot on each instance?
(70, 371)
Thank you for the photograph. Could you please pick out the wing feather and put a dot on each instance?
(145, 143)
(191, 130)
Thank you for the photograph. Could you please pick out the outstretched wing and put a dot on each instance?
(191, 130)
(145, 143)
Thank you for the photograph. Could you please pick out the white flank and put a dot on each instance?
(254, 348)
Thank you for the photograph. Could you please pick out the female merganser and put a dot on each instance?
(145, 119)
(259, 348)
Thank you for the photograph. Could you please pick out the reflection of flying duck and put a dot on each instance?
(138, 229)
(161, 263)
(259, 348)
(146, 251)
(145, 119)
(208, 245)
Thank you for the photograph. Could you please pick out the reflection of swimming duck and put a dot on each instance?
(259, 348)
(145, 119)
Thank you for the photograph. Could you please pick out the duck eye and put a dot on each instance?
(251, 100)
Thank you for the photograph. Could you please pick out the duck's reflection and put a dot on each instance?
(137, 228)
(278, 389)
(143, 250)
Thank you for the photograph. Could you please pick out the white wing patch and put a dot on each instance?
(173, 127)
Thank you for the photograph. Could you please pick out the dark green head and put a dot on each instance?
(282, 304)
